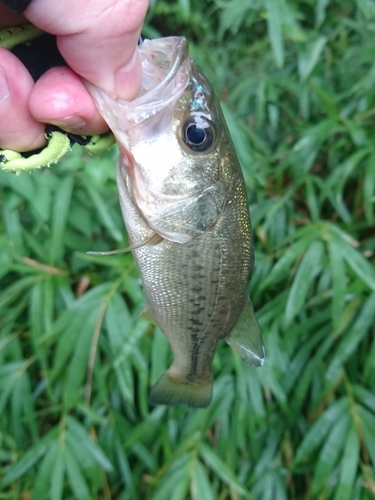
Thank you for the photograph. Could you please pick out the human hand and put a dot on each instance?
(98, 40)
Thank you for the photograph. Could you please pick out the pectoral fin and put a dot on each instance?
(183, 220)
(147, 315)
(246, 338)
(153, 240)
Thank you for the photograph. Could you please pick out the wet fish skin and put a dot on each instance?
(196, 278)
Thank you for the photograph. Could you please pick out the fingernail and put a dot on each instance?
(4, 87)
(71, 122)
(128, 79)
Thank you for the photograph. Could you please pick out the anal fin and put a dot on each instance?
(246, 339)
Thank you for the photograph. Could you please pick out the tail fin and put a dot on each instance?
(170, 390)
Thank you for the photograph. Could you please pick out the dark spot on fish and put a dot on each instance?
(194, 329)
(195, 321)
(199, 310)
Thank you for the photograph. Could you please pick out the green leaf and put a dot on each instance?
(103, 213)
(360, 266)
(283, 265)
(310, 56)
(59, 218)
(25, 463)
(309, 268)
(369, 189)
(222, 470)
(320, 11)
(80, 435)
(338, 281)
(57, 477)
(20, 287)
(327, 100)
(200, 485)
(306, 149)
(319, 430)
(160, 355)
(43, 478)
(357, 332)
(330, 453)
(366, 397)
(274, 22)
(76, 478)
(176, 482)
(13, 229)
(349, 465)
(367, 7)
(367, 423)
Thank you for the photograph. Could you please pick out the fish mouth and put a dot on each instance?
(166, 71)
(161, 61)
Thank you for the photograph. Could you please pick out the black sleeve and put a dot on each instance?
(39, 55)
(17, 6)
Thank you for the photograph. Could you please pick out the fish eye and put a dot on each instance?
(198, 133)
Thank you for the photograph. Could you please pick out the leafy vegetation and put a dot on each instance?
(296, 79)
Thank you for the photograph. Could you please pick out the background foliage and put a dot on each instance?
(296, 79)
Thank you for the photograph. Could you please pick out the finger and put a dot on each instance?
(120, 75)
(97, 38)
(18, 129)
(60, 98)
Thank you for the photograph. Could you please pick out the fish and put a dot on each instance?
(184, 204)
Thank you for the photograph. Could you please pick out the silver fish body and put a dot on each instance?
(184, 205)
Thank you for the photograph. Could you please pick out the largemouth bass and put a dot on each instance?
(183, 200)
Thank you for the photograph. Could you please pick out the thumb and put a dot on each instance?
(97, 38)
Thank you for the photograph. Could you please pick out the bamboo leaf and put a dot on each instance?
(104, 215)
(275, 30)
(59, 218)
(25, 463)
(320, 429)
(176, 482)
(356, 334)
(76, 477)
(367, 422)
(310, 57)
(56, 489)
(200, 487)
(284, 264)
(222, 470)
(349, 466)
(79, 435)
(360, 266)
(338, 281)
(330, 453)
(307, 270)
(44, 473)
